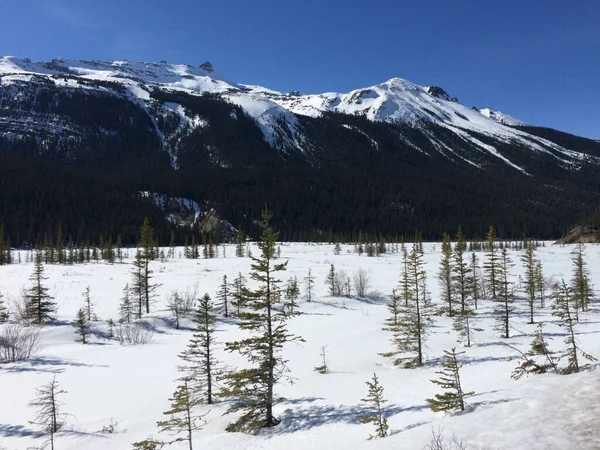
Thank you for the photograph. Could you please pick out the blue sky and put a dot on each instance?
(537, 60)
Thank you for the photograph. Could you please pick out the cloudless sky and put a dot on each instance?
(538, 60)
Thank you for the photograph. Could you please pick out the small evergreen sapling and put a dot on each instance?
(309, 280)
(537, 360)
(564, 310)
(126, 313)
(40, 307)
(453, 397)
(83, 327)
(375, 400)
(181, 416)
(324, 367)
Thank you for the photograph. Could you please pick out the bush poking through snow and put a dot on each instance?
(437, 442)
(133, 333)
(18, 342)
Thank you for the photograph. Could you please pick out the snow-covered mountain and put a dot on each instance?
(449, 126)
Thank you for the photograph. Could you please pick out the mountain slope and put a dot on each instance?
(157, 126)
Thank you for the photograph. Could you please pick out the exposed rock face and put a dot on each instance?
(581, 234)
(212, 225)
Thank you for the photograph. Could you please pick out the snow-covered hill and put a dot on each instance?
(131, 385)
(396, 101)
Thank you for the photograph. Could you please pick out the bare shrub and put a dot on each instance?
(18, 342)
(18, 308)
(188, 299)
(362, 282)
(135, 333)
(437, 442)
(175, 307)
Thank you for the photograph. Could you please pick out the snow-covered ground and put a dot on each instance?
(131, 385)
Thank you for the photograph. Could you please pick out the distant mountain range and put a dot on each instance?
(154, 126)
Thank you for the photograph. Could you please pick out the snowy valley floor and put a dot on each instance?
(132, 384)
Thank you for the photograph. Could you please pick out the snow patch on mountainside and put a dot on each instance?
(503, 118)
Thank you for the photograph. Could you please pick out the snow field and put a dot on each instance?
(132, 384)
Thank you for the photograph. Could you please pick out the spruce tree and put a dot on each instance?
(505, 297)
(410, 338)
(445, 274)
(453, 397)
(324, 367)
(82, 326)
(223, 296)
(309, 280)
(405, 292)
(239, 244)
(375, 402)
(3, 310)
(292, 293)
(474, 279)
(146, 254)
(564, 310)
(48, 409)
(581, 290)
(181, 415)
(540, 283)
(537, 360)
(239, 293)
(201, 364)
(40, 307)
(252, 389)
(460, 271)
(330, 281)
(530, 264)
(126, 309)
(392, 323)
(491, 265)
(89, 306)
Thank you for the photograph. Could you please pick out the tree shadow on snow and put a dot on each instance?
(306, 418)
(45, 365)
(8, 430)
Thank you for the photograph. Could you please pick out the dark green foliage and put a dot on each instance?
(453, 397)
(201, 366)
(539, 359)
(40, 307)
(252, 388)
(505, 296)
(375, 401)
(581, 290)
(531, 274)
(82, 327)
(445, 274)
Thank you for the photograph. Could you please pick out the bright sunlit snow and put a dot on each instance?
(131, 385)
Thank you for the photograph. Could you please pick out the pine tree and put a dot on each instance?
(492, 263)
(82, 326)
(392, 323)
(460, 271)
(309, 280)
(580, 283)
(337, 249)
(239, 244)
(292, 293)
(564, 310)
(415, 318)
(89, 306)
(138, 284)
(375, 400)
(252, 389)
(529, 262)
(453, 397)
(201, 364)
(223, 295)
(40, 307)
(540, 283)
(531, 363)
(445, 274)
(239, 293)
(331, 282)
(181, 416)
(405, 292)
(3, 310)
(48, 409)
(505, 296)
(146, 254)
(474, 279)
(126, 312)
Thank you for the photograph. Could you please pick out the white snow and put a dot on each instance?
(132, 384)
(396, 100)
